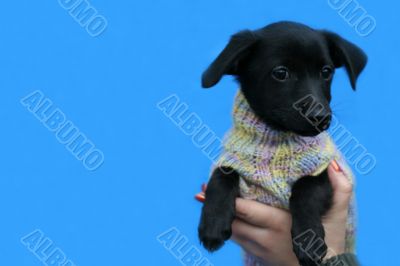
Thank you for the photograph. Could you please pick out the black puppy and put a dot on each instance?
(276, 66)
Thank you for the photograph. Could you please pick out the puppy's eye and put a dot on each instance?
(327, 72)
(280, 73)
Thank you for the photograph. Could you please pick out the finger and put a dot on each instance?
(342, 188)
(260, 214)
(338, 178)
(201, 197)
(248, 245)
(247, 232)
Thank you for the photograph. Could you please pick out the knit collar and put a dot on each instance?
(247, 122)
(262, 153)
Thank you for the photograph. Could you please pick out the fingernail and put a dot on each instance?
(201, 197)
(336, 166)
(204, 187)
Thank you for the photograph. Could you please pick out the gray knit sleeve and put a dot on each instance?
(346, 259)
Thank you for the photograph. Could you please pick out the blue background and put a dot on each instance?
(109, 87)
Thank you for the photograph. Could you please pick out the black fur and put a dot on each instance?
(219, 208)
(310, 200)
(276, 66)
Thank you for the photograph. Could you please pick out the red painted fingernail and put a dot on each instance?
(201, 197)
(336, 166)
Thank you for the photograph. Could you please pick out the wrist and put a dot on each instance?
(345, 259)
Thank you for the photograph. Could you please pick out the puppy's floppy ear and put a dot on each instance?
(345, 53)
(228, 60)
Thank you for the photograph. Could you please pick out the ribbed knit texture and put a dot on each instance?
(270, 161)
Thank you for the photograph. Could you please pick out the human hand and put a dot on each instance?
(264, 231)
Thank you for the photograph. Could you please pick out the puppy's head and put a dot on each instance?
(285, 71)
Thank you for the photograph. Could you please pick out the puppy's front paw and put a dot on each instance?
(308, 243)
(214, 231)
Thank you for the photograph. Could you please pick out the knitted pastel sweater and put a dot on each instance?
(270, 161)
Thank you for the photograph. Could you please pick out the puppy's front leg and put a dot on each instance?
(311, 198)
(219, 208)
